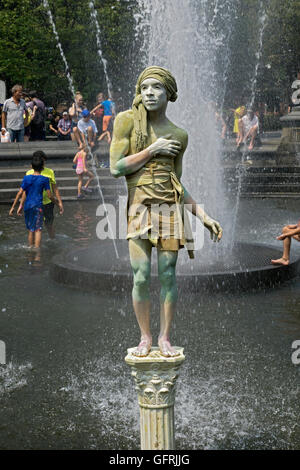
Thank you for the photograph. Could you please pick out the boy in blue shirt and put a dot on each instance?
(33, 185)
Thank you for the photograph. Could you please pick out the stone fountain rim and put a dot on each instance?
(58, 260)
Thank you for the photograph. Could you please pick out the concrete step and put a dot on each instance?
(53, 149)
(105, 182)
(270, 188)
(68, 193)
(60, 171)
(272, 179)
(270, 195)
(280, 169)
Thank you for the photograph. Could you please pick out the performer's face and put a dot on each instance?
(154, 94)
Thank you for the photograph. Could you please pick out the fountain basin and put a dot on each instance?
(96, 268)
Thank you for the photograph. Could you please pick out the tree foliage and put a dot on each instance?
(29, 54)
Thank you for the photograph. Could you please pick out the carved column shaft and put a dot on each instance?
(155, 378)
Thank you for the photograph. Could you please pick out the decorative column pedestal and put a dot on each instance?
(290, 137)
(155, 377)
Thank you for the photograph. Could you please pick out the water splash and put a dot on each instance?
(117, 410)
(69, 77)
(99, 47)
(13, 377)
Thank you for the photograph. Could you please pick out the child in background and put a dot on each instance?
(81, 170)
(5, 136)
(33, 185)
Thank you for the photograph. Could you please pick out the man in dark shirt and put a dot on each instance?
(38, 122)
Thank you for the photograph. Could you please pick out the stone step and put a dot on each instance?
(60, 171)
(67, 193)
(105, 182)
(272, 179)
(53, 149)
(273, 169)
(270, 188)
(270, 195)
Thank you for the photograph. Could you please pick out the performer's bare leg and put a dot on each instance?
(168, 297)
(140, 258)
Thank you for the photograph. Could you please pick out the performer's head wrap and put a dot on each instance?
(139, 110)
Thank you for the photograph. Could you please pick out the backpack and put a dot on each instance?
(38, 117)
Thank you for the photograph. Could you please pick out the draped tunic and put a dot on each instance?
(155, 208)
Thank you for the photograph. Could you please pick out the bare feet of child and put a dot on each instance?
(165, 347)
(144, 348)
(283, 261)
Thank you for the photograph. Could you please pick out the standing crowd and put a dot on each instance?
(24, 118)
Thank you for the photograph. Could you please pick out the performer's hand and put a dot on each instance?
(164, 146)
(214, 227)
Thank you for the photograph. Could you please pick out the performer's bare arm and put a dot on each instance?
(121, 163)
(212, 225)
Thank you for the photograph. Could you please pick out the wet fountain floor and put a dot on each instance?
(66, 385)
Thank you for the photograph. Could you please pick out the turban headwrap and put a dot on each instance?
(139, 110)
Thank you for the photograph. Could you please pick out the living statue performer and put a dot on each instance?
(147, 149)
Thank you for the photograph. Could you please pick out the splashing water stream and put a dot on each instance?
(69, 77)
(99, 47)
(183, 40)
(262, 20)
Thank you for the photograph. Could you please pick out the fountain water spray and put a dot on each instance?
(94, 170)
(188, 43)
(99, 48)
(70, 80)
(262, 17)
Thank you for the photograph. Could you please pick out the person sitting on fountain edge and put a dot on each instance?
(249, 128)
(86, 129)
(288, 232)
(148, 149)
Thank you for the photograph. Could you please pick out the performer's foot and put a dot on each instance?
(144, 348)
(165, 347)
(283, 261)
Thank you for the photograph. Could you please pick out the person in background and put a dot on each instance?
(33, 186)
(37, 125)
(288, 232)
(81, 171)
(108, 133)
(249, 128)
(97, 113)
(238, 114)
(64, 127)
(86, 129)
(48, 203)
(5, 137)
(75, 113)
(13, 113)
(53, 125)
(109, 112)
(27, 122)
